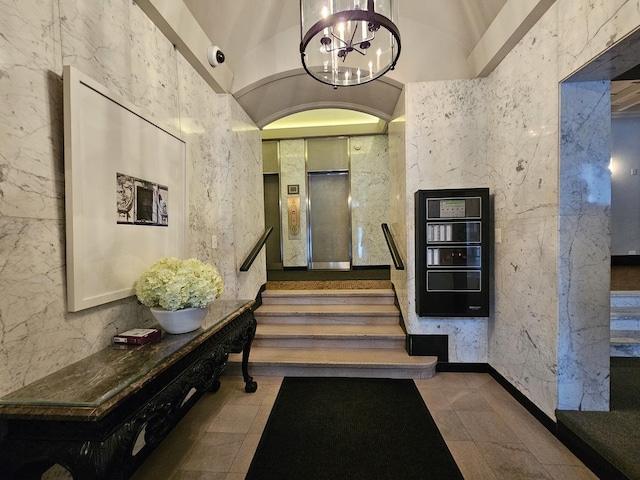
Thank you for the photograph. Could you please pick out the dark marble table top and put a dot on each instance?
(93, 385)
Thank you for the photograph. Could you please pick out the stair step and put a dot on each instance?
(328, 314)
(625, 318)
(326, 297)
(325, 362)
(625, 343)
(329, 336)
(621, 298)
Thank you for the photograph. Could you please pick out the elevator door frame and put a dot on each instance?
(345, 266)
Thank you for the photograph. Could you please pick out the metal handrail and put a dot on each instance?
(256, 249)
(395, 255)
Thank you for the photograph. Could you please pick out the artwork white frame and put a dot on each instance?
(105, 135)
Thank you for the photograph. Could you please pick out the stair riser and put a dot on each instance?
(328, 319)
(626, 350)
(327, 343)
(256, 369)
(625, 300)
(618, 323)
(319, 300)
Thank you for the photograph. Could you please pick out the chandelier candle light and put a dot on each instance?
(348, 42)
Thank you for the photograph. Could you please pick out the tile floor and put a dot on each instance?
(490, 435)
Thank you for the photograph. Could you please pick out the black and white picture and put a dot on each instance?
(141, 202)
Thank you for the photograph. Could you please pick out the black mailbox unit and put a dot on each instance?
(452, 252)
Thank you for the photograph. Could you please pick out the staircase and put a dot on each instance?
(625, 324)
(338, 333)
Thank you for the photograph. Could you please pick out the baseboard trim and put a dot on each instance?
(599, 465)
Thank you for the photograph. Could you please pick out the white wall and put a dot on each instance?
(117, 45)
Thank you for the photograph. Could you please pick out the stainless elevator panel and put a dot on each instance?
(329, 221)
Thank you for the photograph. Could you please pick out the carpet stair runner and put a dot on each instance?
(625, 324)
(332, 333)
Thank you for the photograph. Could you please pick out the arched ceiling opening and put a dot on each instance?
(325, 122)
(441, 40)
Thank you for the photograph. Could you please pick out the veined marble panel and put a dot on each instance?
(154, 76)
(584, 243)
(522, 163)
(37, 335)
(96, 39)
(248, 200)
(369, 175)
(446, 131)
(31, 167)
(397, 199)
(292, 172)
(114, 43)
(447, 135)
(589, 27)
(202, 120)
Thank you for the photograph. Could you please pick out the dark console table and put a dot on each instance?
(102, 416)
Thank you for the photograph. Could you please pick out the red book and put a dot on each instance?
(137, 336)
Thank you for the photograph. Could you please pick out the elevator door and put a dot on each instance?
(272, 219)
(329, 221)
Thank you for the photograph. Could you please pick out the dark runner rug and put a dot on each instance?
(351, 428)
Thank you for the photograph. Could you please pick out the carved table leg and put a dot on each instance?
(250, 386)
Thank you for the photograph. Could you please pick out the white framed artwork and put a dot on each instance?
(125, 193)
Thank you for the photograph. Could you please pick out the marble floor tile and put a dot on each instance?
(466, 399)
(490, 435)
(215, 452)
(470, 461)
(512, 461)
(487, 427)
(450, 426)
(434, 399)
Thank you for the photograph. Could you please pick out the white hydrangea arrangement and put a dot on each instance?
(173, 284)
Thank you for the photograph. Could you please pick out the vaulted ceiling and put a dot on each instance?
(441, 40)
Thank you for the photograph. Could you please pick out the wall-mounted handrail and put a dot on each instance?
(395, 255)
(256, 249)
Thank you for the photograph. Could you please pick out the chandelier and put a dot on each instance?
(348, 42)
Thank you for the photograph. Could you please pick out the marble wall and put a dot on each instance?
(118, 46)
(584, 241)
(292, 172)
(522, 165)
(369, 183)
(549, 328)
(445, 129)
(369, 176)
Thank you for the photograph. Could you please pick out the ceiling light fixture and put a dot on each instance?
(343, 44)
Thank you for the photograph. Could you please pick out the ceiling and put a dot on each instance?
(441, 40)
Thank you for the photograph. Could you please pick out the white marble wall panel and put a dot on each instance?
(248, 199)
(397, 201)
(202, 117)
(96, 39)
(522, 163)
(31, 183)
(114, 43)
(589, 27)
(584, 247)
(154, 77)
(369, 176)
(446, 134)
(292, 172)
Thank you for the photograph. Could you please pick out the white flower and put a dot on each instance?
(172, 284)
